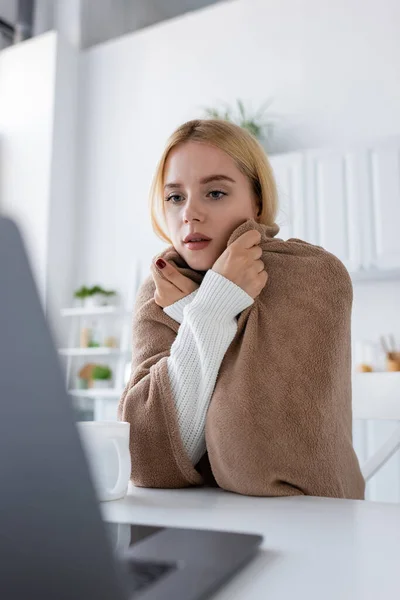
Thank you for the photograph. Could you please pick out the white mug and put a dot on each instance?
(106, 445)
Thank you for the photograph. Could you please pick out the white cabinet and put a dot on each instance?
(289, 175)
(346, 200)
(333, 193)
(383, 170)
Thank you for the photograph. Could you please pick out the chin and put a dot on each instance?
(197, 262)
(199, 268)
(200, 265)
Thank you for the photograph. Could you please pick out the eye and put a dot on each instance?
(172, 196)
(218, 197)
(217, 192)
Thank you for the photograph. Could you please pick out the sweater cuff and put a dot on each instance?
(221, 297)
(175, 310)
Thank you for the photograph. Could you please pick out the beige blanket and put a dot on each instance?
(280, 421)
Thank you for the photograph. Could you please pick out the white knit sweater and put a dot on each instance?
(208, 326)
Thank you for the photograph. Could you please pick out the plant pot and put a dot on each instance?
(81, 383)
(94, 301)
(109, 301)
(102, 384)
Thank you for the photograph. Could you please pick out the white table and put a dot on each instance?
(314, 548)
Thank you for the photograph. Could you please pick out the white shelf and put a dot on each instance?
(79, 311)
(103, 400)
(94, 393)
(101, 351)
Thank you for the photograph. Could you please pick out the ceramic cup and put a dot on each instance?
(106, 445)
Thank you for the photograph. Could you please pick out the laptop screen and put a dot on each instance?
(51, 531)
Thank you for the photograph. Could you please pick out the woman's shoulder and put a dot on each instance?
(322, 260)
(317, 250)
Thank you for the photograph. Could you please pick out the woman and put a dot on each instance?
(202, 409)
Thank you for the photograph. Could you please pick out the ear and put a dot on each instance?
(257, 208)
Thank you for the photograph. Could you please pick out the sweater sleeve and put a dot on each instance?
(208, 327)
(158, 456)
(175, 310)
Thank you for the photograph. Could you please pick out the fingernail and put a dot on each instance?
(161, 263)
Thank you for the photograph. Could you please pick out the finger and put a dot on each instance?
(159, 279)
(174, 276)
(259, 266)
(248, 239)
(163, 286)
(256, 252)
(157, 273)
(155, 270)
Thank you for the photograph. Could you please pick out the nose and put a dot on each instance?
(192, 210)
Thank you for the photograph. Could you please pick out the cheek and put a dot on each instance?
(172, 232)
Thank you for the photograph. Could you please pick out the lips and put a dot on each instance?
(197, 245)
(196, 236)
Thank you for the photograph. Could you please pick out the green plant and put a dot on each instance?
(101, 372)
(84, 292)
(99, 290)
(252, 123)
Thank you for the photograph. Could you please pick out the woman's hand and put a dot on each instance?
(241, 263)
(175, 288)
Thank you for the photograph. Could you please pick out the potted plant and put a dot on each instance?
(94, 296)
(81, 294)
(261, 129)
(81, 384)
(102, 377)
(84, 376)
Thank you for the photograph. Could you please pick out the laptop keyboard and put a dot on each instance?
(142, 574)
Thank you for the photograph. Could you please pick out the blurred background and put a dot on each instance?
(91, 89)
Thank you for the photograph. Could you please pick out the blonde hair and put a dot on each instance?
(240, 145)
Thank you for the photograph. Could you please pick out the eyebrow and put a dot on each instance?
(202, 181)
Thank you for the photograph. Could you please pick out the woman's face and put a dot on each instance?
(204, 192)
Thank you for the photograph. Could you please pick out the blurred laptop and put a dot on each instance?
(53, 541)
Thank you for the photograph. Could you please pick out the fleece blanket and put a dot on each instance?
(280, 418)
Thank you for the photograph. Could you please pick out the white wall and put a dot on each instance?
(331, 68)
(38, 106)
(63, 254)
(27, 82)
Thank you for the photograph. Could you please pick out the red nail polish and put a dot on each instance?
(160, 263)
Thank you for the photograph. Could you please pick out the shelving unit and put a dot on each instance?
(99, 351)
(103, 401)
(79, 311)
(111, 393)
